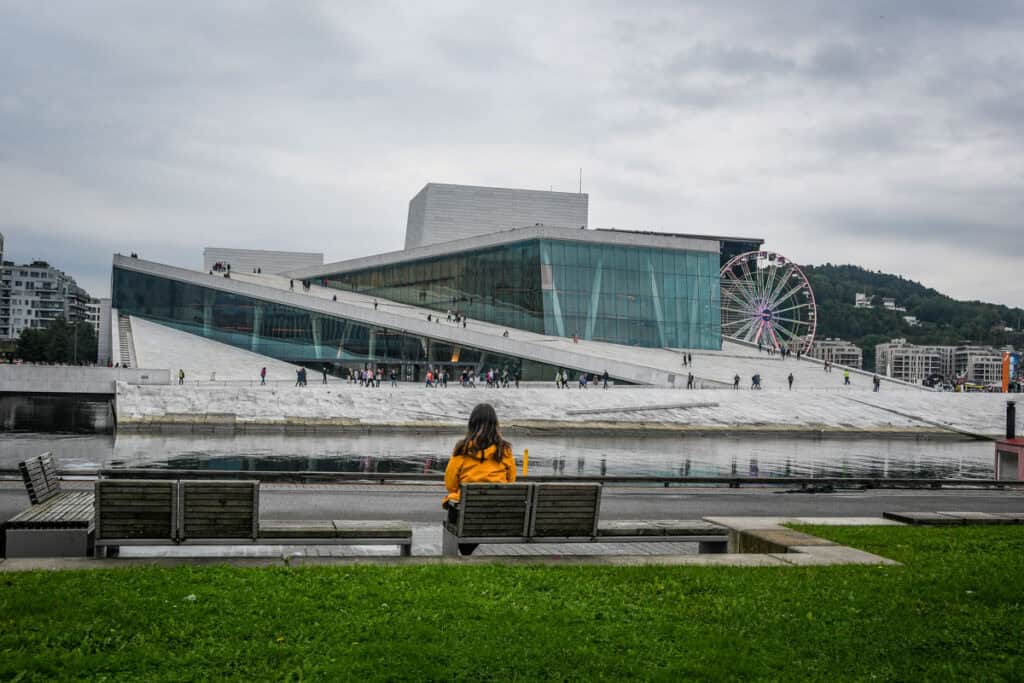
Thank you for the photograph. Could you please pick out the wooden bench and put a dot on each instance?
(148, 512)
(58, 524)
(560, 513)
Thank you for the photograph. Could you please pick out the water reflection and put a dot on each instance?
(56, 414)
(743, 456)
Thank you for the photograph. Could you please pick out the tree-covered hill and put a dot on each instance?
(942, 319)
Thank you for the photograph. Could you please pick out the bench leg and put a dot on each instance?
(712, 547)
(405, 550)
(449, 544)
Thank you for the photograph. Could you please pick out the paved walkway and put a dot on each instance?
(791, 549)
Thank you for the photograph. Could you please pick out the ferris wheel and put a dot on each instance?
(766, 299)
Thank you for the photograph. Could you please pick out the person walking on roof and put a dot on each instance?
(604, 379)
(846, 377)
(790, 378)
(263, 376)
(877, 382)
(736, 382)
(181, 376)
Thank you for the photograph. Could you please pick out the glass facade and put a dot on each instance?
(297, 335)
(499, 285)
(641, 296)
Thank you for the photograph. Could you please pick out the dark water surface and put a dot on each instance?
(747, 456)
(56, 414)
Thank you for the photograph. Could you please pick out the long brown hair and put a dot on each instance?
(483, 432)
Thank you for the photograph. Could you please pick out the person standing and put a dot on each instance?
(877, 382)
(790, 378)
(263, 376)
(846, 377)
(181, 376)
(323, 370)
(604, 380)
(689, 381)
(736, 382)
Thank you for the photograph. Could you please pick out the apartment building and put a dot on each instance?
(33, 295)
(838, 352)
(912, 363)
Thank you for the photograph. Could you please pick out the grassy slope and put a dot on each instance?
(955, 609)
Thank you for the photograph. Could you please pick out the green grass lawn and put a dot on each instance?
(955, 609)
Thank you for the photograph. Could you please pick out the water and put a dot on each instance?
(746, 456)
(60, 414)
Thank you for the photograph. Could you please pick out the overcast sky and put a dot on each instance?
(889, 135)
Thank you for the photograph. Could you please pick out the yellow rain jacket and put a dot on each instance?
(470, 469)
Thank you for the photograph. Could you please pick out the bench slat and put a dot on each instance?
(135, 509)
(565, 510)
(219, 509)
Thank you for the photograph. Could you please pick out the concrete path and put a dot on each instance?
(786, 548)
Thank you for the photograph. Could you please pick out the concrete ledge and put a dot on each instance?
(808, 556)
(979, 518)
(922, 518)
(767, 535)
(952, 518)
(771, 540)
(72, 564)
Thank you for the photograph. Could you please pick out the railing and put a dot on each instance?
(315, 477)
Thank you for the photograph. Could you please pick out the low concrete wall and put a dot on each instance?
(64, 379)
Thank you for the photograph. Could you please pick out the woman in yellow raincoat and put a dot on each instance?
(482, 456)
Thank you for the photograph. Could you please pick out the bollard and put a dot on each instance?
(526, 461)
(1011, 419)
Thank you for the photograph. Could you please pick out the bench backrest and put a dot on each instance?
(565, 510)
(218, 509)
(136, 509)
(494, 510)
(40, 477)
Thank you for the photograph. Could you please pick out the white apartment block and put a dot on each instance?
(93, 310)
(33, 295)
(984, 368)
(838, 352)
(443, 213)
(912, 363)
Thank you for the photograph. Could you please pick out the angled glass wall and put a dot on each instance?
(640, 296)
(500, 285)
(297, 335)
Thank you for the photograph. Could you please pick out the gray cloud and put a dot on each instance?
(880, 130)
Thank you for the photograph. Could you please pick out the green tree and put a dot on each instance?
(942, 319)
(60, 342)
